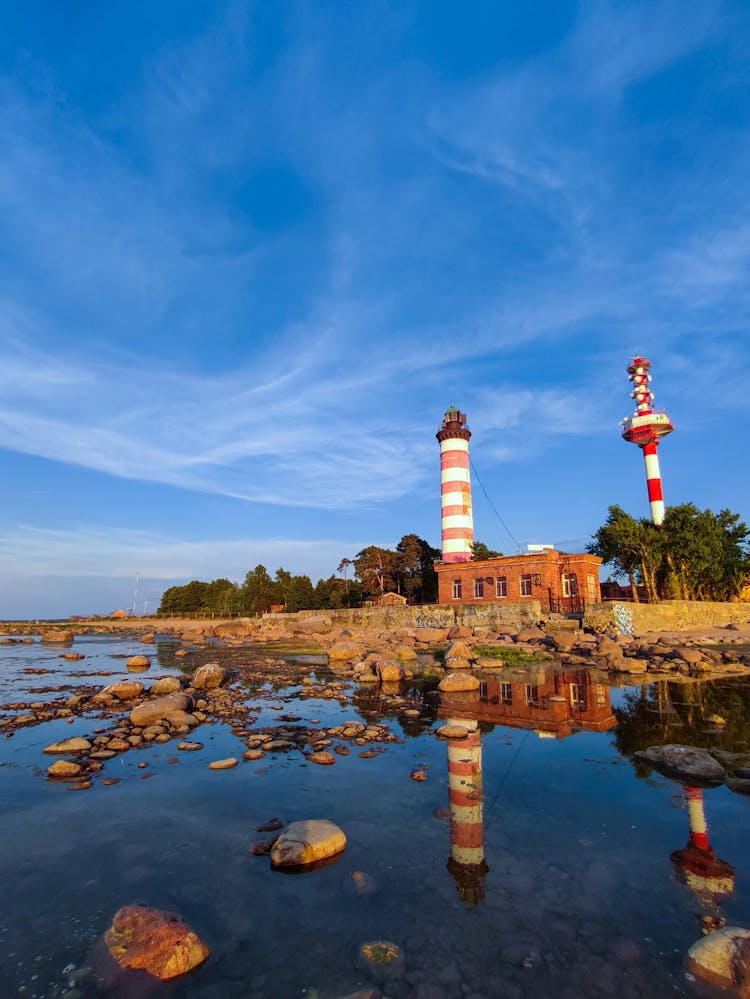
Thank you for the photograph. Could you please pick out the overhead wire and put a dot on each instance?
(493, 507)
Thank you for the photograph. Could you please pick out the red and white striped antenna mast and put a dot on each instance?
(646, 427)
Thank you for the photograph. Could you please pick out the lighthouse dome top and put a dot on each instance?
(453, 425)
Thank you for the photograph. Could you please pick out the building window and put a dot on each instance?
(526, 585)
(591, 587)
(501, 586)
(570, 585)
(483, 691)
(578, 696)
(532, 694)
(478, 587)
(506, 693)
(456, 589)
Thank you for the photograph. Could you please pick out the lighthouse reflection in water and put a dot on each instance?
(551, 703)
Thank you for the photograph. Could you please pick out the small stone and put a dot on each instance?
(226, 764)
(75, 745)
(273, 825)
(323, 758)
(253, 754)
(381, 956)
(364, 884)
(138, 662)
(64, 769)
(262, 847)
(73, 656)
(418, 775)
(452, 732)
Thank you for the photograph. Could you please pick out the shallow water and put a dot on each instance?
(567, 888)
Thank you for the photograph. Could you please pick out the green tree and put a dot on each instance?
(480, 552)
(374, 567)
(694, 555)
(414, 570)
(258, 591)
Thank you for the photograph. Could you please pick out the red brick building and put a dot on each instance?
(559, 581)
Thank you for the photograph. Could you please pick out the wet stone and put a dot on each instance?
(227, 764)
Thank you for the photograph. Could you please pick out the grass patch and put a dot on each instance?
(509, 656)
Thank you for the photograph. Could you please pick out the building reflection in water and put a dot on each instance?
(554, 704)
(697, 866)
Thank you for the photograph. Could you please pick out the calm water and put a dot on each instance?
(556, 880)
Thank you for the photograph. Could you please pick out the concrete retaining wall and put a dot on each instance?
(490, 616)
(669, 615)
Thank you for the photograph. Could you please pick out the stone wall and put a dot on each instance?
(491, 616)
(669, 615)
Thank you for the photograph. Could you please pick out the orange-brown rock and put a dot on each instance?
(458, 681)
(57, 637)
(138, 662)
(306, 842)
(155, 941)
(431, 635)
(125, 690)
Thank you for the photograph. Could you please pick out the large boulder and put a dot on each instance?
(314, 625)
(459, 650)
(153, 711)
(125, 690)
(687, 764)
(165, 685)
(240, 627)
(455, 663)
(208, 677)
(405, 653)
(457, 682)
(390, 670)
(723, 958)
(431, 636)
(57, 637)
(307, 842)
(152, 940)
(345, 652)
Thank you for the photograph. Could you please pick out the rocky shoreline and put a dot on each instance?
(129, 714)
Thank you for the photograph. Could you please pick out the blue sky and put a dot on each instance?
(250, 253)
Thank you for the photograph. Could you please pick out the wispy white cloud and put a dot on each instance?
(120, 553)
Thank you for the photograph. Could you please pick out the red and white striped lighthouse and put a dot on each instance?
(455, 488)
(645, 428)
